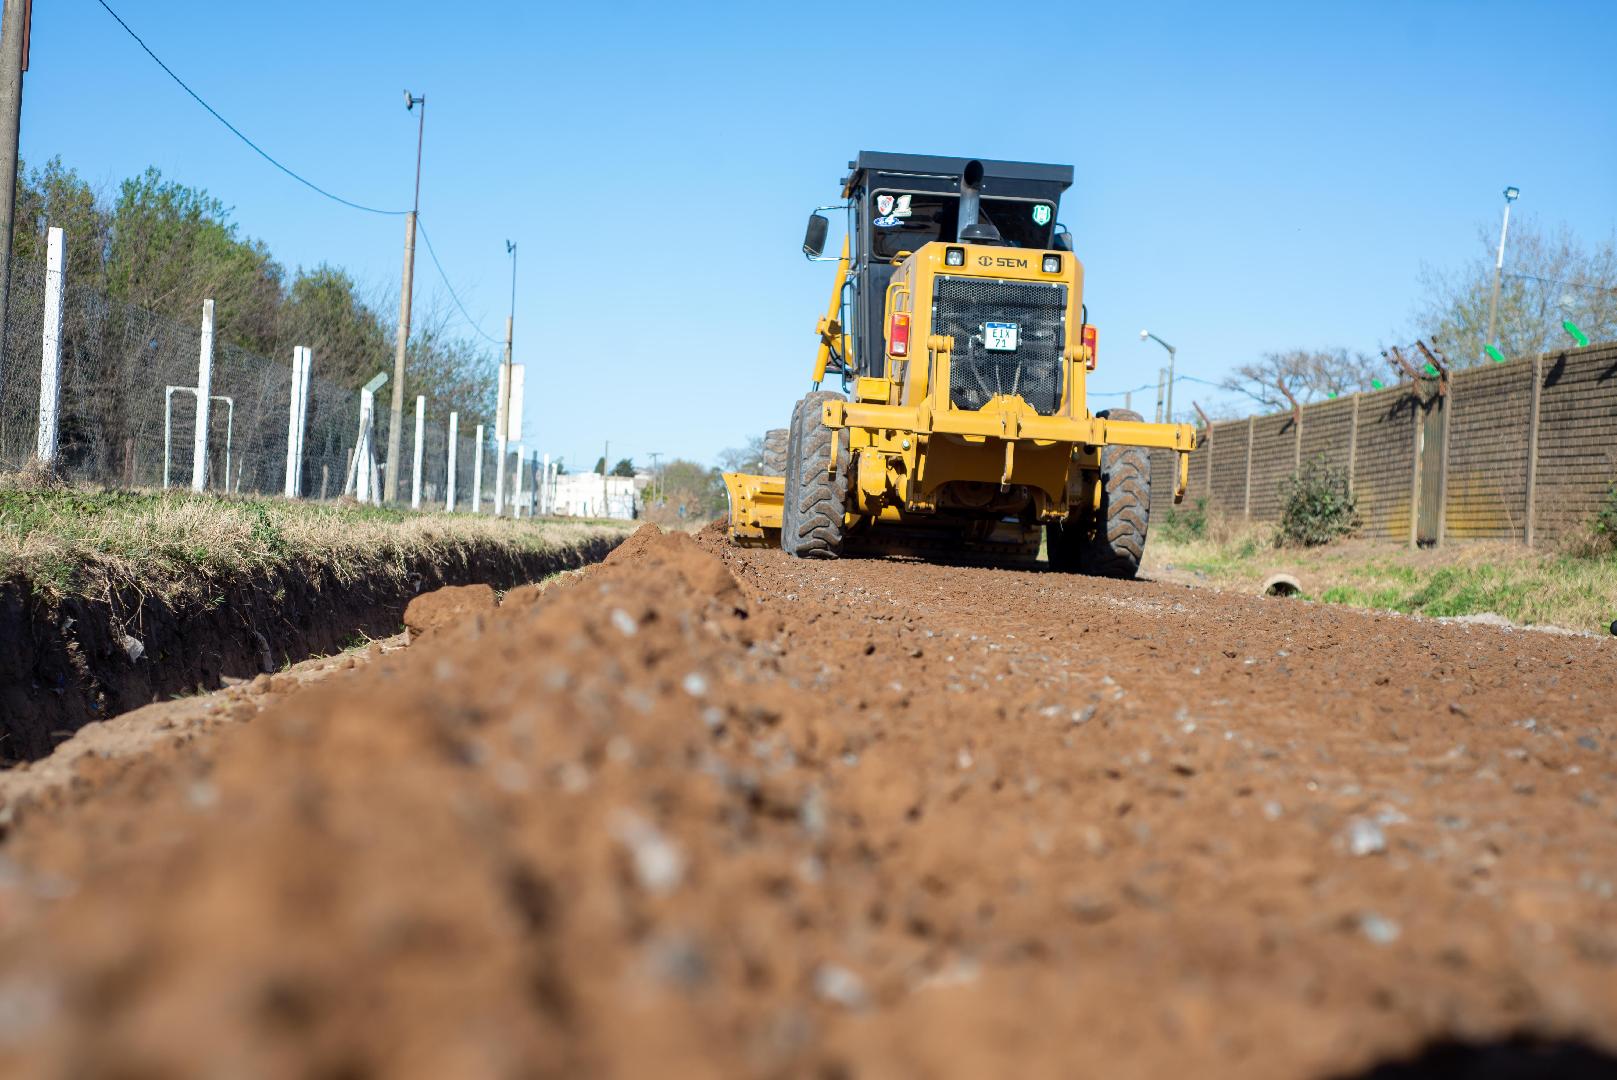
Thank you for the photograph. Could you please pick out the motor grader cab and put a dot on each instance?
(958, 334)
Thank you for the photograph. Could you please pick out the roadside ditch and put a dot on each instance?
(66, 661)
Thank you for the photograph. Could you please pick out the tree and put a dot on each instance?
(455, 373)
(56, 196)
(600, 466)
(1548, 277)
(692, 491)
(744, 459)
(324, 311)
(1285, 380)
(173, 246)
(624, 467)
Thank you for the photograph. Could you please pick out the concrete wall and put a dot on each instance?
(1498, 461)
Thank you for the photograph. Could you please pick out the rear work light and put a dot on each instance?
(954, 257)
(898, 334)
(1089, 347)
(1052, 264)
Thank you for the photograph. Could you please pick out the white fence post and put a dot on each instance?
(50, 371)
(303, 418)
(362, 446)
(292, 462)
(420, 434)
(199, 452)
(477, 470)
(501, 426)
(516, 498)
(454, 449)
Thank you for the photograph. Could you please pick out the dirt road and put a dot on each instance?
(709, 812)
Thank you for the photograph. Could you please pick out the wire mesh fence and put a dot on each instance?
(128, 408)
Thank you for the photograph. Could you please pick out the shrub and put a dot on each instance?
(1316, 505)
(1606, 516)
(1182, 524)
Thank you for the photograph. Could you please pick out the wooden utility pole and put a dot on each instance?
(14, 27)
(395, 419)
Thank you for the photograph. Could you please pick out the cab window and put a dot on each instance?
(917, 218)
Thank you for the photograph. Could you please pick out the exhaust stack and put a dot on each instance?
(971, 189)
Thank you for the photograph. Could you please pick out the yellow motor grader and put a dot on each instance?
(959, 333)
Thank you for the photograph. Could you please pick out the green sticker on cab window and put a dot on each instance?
(1041, 214)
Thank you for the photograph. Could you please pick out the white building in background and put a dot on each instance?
(592, 495)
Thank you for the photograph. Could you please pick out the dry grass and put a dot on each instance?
(75, 541)
(1574, 587)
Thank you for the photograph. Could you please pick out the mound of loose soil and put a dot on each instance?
(709, 812)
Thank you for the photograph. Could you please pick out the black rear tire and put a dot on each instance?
(816, 502)
(1110, 542)
(774, 463)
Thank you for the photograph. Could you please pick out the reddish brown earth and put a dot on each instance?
(708, 812)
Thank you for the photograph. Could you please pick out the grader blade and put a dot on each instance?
(756, 503)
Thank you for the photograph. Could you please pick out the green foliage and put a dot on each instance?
(174, 245)
(1182, 524)
(625, 467)
(58, 196)
(323, 310)
(1606, 516)
(1317, 506)
(691, 491)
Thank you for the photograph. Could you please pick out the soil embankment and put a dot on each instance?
(69, 661)
(708, 812)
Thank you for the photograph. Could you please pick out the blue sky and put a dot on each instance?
(1250, 177)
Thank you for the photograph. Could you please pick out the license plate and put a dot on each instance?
(999, 336)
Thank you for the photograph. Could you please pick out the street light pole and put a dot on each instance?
(1511, 195)
(1172, 355)
(502, 418)
(395, 421)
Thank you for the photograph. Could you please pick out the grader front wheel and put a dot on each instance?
(1109, 542)
(816, 501)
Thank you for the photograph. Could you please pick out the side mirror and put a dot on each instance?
(814, 238)
(1063, 239)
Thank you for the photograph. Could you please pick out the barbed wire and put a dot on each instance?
(1177, 379)
(1564, 284)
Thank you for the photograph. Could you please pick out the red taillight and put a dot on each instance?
(1089, 347)
(898, 334)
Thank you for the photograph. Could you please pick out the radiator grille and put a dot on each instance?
(960, 307)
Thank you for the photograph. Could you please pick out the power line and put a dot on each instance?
(469, 320)
(237, 131)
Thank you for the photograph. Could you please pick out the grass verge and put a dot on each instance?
(73, 541)
(1574, 590)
